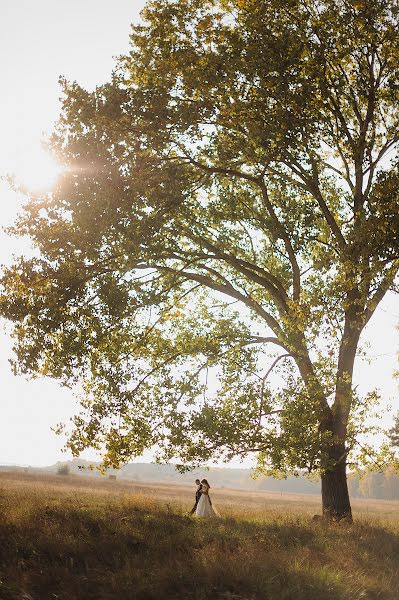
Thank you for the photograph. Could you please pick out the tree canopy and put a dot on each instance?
(393, 433)
(225, 228)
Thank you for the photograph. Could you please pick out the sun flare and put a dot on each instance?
(38, 171)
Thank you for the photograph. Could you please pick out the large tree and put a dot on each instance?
(225, 228)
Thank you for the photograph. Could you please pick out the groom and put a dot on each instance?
(198, 495)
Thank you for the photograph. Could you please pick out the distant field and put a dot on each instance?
(182, 495)
(71, 537)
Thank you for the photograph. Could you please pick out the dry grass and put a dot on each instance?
(78, 538)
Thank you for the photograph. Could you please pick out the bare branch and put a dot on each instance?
(256, 339)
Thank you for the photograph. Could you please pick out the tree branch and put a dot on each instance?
(381, 291)
(312, 186)
(227, 289)
(296, 274)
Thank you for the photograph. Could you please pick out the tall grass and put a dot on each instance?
(72, 540)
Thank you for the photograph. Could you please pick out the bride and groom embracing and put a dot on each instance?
(203, 505)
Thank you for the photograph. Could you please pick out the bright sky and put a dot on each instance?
(39, 41)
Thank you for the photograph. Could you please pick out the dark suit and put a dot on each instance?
(198, 495)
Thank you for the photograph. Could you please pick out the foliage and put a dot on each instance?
(226, 195)
(393, 433)
(63, 469)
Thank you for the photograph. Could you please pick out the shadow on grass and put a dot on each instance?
(377, 545)
(116, 552)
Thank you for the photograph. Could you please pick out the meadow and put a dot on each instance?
(71, 537)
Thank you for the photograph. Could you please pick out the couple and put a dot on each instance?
(203, 505)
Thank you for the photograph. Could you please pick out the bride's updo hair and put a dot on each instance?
(206, 483)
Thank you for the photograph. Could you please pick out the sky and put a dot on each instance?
(40, 41)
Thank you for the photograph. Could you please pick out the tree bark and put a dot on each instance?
(334, 485)
(334, 488)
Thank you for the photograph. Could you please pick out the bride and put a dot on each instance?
(205, 508)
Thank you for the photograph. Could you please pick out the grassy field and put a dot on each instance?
(64, 537)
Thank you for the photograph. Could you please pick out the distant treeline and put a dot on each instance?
(239, 479)
(384, 486)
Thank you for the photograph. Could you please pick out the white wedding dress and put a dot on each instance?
(204, 508)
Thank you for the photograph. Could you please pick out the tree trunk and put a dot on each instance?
(334, 489)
